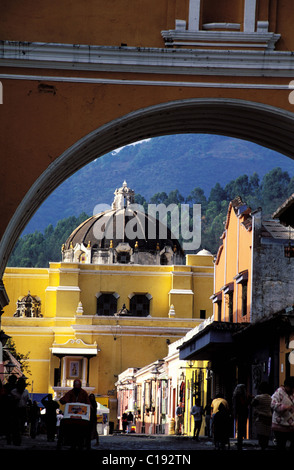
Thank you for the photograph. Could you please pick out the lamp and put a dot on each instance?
(9, 366)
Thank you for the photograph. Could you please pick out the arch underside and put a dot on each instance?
(262, 124)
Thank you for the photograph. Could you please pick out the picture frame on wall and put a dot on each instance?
(74, 369)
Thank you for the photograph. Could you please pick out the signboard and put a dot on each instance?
(77, 411)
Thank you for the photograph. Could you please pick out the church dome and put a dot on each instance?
(123, 234)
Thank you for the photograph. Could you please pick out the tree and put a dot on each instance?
(274, 190)
(197, 196)
(217, 195)
(37, 249)
(238, 187)
(174, 197)
(159, 198)
(139, 199)
(22, 359)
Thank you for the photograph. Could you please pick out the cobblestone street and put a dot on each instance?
(132, 442)
(133, 451)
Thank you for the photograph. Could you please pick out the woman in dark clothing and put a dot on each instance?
(221, 428)
(93, 418)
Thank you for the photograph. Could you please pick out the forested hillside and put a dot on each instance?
(39, 248)
(164, 163)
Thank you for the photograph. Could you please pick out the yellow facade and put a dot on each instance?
(234, 258)
(70, 333)
(195, 376)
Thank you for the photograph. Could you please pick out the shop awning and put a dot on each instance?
(101, 409)
(207, 343)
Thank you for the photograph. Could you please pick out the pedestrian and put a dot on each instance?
(219, 398)
(76, 395)
(282, 403)
(93, 418)
(51, 407)
(207, 414)
(197, 413)
(80, 432)
(9, 408)
(240, 408)
(179, 419)
(58, 421)
(262, 415)
(34, 419)
(130, 419)
(124, 421)
(221, 427)
(21, 399)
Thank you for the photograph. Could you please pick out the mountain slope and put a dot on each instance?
(165, 163)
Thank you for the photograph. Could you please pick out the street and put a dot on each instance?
(134, 450)
(131, 442)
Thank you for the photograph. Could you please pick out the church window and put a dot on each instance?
(163, 259)
(123, 258)
(203, 314)
(140, 305)
(222, 13)
(106, 304)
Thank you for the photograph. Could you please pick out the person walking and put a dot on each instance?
(221, 427)
(34, 419)
(51, 407)
(219, 398)
(9, 408)
(197, 413)
(93, 418)
(76, 395)
(207, 413)
(20, 397)
(79, 433)
(179, 419)
(282, 403)
(59, 417)
(240, 409)
(262, 415)
(124, 421)
(130, 419)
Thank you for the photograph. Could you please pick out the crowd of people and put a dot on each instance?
(273, 416)
(18, 413)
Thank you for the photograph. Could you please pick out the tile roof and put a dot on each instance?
(274, 229)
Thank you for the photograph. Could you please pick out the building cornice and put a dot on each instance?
(76, 57)
(241, 39)
(128, 330)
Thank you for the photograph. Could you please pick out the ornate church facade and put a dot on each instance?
(110, 304)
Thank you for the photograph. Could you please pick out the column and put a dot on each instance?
(194, 15)
(84, 380)
(249, 16)
(63, 372)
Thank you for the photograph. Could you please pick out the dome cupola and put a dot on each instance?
(123, 234)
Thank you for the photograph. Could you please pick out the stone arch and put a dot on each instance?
(263, 124)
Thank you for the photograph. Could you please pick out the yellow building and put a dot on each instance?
(109, 305)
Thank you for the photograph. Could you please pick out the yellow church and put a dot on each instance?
(113, 302)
